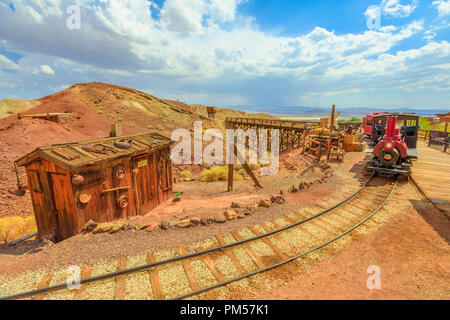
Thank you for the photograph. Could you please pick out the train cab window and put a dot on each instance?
(410, 131)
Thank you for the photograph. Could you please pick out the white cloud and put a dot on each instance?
(395, 9)
(187, 53)
(443, 7)
(47, 69)
(5, 63)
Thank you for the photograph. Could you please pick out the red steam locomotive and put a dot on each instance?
(393, 153)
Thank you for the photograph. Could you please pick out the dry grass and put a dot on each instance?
(12, 228)
(217, 173)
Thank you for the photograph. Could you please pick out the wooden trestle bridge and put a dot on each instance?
(291, 133)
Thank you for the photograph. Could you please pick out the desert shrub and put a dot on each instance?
(186, 175)
(217, 173)
(12, 228)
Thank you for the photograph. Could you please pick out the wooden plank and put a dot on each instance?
(269, 243)
(279, 238)
(85, 273)
(314, 223)
(120, 287)
(249, 251)
(293, 235)
(330, 225)
(231, 254)
(303, 229)
(154, 279)
(212, 267)
(230, 177)
(247, 168)
(188, 270)
(45, 282)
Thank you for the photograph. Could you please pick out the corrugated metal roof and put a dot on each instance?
(76, 155)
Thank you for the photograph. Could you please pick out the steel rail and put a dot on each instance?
(220, 284)
(178, 258)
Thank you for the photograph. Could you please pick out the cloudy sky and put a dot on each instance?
(377, 53)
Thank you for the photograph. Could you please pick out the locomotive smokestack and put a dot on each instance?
(390, 127)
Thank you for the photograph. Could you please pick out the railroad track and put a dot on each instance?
(287, 239)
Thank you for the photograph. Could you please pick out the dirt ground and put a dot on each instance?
(411, 249)
(198, 199)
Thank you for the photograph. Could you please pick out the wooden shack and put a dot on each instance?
(103, 180)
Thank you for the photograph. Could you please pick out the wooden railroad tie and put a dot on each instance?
(85, 273)
(120, 287)
(45, 282)
(188, 270)
(270, 244)
(154, 279)
(212, 267)
(279, 238)
(231, 254)
(249, 251)
(291, 220)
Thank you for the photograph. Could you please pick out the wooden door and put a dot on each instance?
(61, 206)
(144, 191)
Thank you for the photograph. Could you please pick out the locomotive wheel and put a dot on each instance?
(388, 157)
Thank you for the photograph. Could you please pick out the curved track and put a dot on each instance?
(335, 222)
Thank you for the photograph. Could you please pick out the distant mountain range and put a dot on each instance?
(304, 111)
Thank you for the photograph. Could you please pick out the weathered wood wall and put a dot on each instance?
(53, 178)
(147, 182)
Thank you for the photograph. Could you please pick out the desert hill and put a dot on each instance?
(94, 107)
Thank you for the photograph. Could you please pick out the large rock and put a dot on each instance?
(235, 205)
(277, 199)
(117, 227)
(90, 226)
(140, 226)
(264, 203)
(230, 214)
(165, 225)
(103, 227)
(184, 223)
(128, 225)
(152, 226)
(206, 221)
(195, 221)
(220, 218)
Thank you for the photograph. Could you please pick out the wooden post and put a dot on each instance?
(329, 148)
(230, 177)
(332, 118)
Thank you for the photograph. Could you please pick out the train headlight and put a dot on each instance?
(389, 145)
(387, 157)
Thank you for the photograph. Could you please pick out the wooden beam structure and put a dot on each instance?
(291, 132)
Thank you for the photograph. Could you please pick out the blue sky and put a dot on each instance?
(264, 53)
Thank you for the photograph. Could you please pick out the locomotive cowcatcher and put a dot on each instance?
(392, 155)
